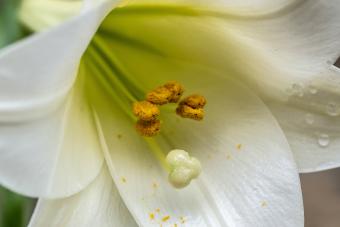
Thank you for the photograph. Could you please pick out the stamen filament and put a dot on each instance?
(112, 92)
(122, 74)
(153, 145)
(110, 73)
(158, 153)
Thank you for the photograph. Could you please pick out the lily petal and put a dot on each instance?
(257, 185)
(292, 48)
(35, 79)
(41, 14)
(243, 7)
(296, 77)
(97, 205)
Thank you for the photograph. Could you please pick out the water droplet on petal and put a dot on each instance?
(309, 118)
(323, 140)
(313, 90)
(289, 91)
(4, 74)
(298, 89)
(332, 109)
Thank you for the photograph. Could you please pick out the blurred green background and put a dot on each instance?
(10, 28)
(15, 210)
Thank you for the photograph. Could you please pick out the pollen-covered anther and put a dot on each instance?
(189, 112)
(148, 128)
(160, 95)
(183, 168)
(176, 90)
(145, 110)
(194, 101)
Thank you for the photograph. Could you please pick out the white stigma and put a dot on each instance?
(183, 168)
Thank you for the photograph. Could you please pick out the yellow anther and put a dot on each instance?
(189, 112)
(159, 96)
(148, 128)
(169, 92)
(194, 101)
(176, 90)
(145, 111)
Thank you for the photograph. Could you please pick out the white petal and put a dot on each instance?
(298, 49)
(259, 186)
(239, 7)
(41, 14)
(312, 123)
(38, 133)
(52, 156)
(98, 205)
(271, 53)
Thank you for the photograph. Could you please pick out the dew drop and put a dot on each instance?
(309, 118)
(332, 109)
(323, 140)
(297, 89)
(289, 91)
(313, 90)
(4, 74)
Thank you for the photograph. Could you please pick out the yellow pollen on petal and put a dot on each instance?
(123, 179)
(239, 146)
(165, 218)
(189, 112)
(148, 128)
(145, 110)
(158, 210)
(152, 216)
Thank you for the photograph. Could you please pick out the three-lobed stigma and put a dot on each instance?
(183, 168)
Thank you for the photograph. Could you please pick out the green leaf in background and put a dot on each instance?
(15, 210)
(10, 28)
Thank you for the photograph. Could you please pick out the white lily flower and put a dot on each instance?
(59, 127)
(42, 14)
